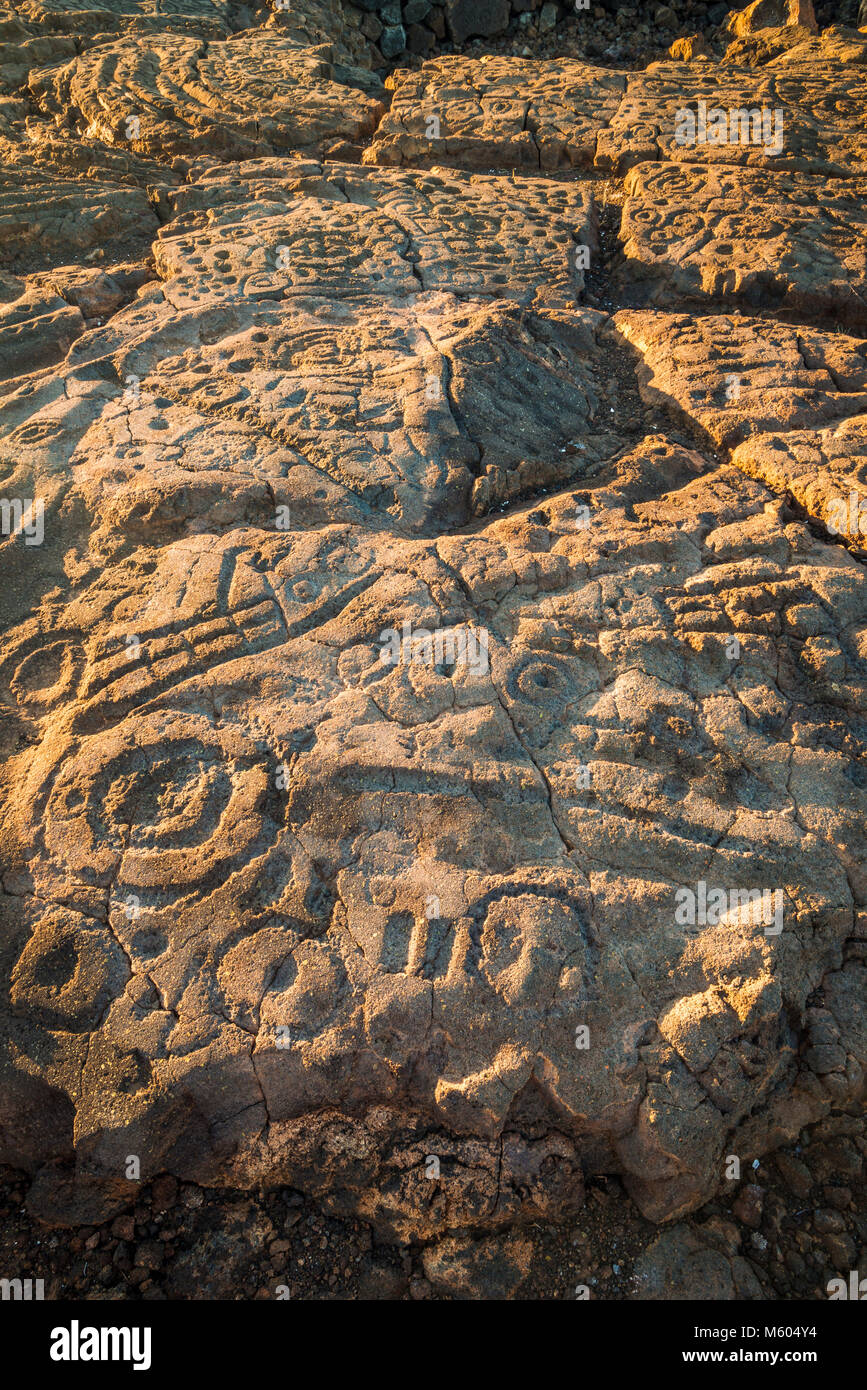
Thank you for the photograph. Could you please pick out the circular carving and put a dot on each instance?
(68, 973)
(162, 801)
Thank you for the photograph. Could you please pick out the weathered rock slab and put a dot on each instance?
(792, 243)
(734, 376)
(500, 113)
(255, 94)
(431, 705)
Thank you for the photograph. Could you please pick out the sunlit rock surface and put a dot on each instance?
(432, 680)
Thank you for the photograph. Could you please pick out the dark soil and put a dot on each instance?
(798, 1218)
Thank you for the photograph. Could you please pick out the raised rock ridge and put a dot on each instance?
(423, 580)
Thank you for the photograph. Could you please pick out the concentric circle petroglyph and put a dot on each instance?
(163, 805)
(432, 683)
(68, 973)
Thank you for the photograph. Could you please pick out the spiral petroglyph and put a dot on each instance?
(160, 792)
(434, 641)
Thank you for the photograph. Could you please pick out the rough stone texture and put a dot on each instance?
(822, 469)
(503, 112)
(253, 95)
(506, 238)
(735, 376)
(468, 17)
(262, 911)
(772, 14)
(511, 113)
(490, 1269)
(44, 214)
(304, 21)
(789, 242)
(821, 131)
(40, 326)
(773, 48)
(109, 14)
(690, 49)
(193, 9)
(275, 910)
(679, 1265)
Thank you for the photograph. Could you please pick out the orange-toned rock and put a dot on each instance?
(686, 50)
(772, 14)
(433, 626)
